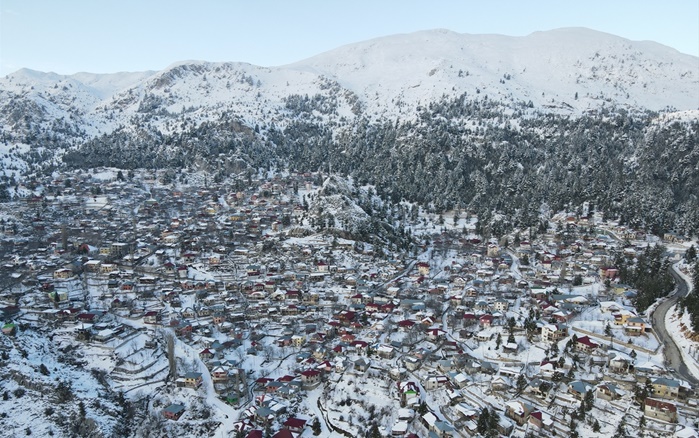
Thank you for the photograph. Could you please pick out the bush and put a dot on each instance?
(19, 392)
(64, 391)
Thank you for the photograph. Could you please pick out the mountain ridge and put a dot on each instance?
(415, 68)
(433, 117)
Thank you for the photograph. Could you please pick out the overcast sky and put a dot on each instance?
(106, 36)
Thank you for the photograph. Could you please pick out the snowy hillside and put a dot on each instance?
(565, 70)
(386, 112)
(548, 68)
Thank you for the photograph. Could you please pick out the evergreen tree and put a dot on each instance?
(374, 431)
(621, 430)
(315, 426)
(511, 339)
(483, 421)
(422, 408)
(493, 421)
(521, 383)
(589, 400)
(554, 349)
(511, 324)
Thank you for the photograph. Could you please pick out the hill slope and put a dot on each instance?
(487, 122)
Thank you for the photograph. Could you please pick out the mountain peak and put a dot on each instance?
(567, 70)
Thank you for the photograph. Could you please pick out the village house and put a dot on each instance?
(635, 326)
(578, 389)
(486, 321)
(151, 317)
(500, 383)
(541, 419)
(219, 374)
(107, 268)
(295, 425)
(666, 388)
(9, 329)
(385, 351)
(622, 316)
(423, 268)
(619, 363)
(173, 411)
(310, 378)
(92, 266)
(62, 274)
(518, 411)
(431, 383)
(553, 332)
(501, 305)
(659, 409)
(190, 380)
(609, 391)
(585, 345)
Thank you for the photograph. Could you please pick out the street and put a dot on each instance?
(673, 357)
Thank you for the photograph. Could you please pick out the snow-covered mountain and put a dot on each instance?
(548, 68)
(566, 70)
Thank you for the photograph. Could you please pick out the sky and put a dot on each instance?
(107, 36)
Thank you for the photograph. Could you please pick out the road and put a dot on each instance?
(673, 357)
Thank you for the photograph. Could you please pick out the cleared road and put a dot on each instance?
(673, 357)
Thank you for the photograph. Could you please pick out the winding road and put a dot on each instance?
(673, 357)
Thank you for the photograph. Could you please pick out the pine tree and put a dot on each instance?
(483, 422)
(521, 383)
(554, 349)
(493, 421)
(620, 430)
(581, 410)
(589, 400)
(315, 426)
(422, 408)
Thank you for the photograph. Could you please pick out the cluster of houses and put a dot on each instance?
(233, 261)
